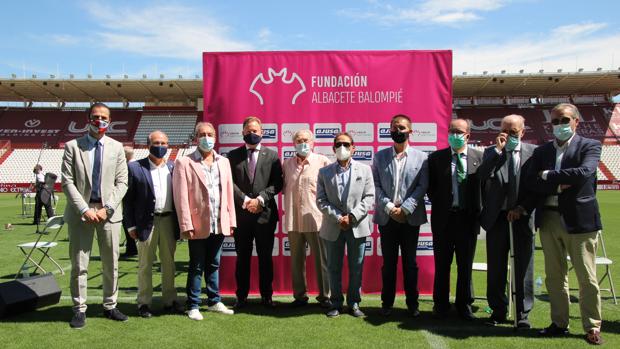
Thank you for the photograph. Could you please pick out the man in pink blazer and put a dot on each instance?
(204, 202)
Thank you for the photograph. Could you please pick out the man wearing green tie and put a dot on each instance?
(454, 192)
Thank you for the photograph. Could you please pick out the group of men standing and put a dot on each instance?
(204, 197)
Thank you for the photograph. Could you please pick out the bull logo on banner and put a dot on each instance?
(292, 80)
(32, 123)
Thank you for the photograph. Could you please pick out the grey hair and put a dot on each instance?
(519, 117)
(201, 125)
(298, 132)
(148, 138)
(567, 106)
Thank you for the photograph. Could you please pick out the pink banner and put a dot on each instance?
(329, 92)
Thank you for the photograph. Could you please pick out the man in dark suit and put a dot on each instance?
(44, 194)
(257, 178)
(150, 218)
(563, 175)
(454, 191)
(500, 174)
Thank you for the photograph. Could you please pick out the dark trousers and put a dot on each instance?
(263, 235)
(395, 235)
(458, 238)
(498, 247)
(39, 203)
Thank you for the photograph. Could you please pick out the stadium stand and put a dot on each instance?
(17, 168)
(610, 156)
(179, 126)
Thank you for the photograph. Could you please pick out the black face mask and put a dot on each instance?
(399, 137)
(252, 138)
(158, 151)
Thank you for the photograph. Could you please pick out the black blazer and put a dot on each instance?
(139, 201)
(577, 204)
(440, 187)
(494, 181)
(268, 182)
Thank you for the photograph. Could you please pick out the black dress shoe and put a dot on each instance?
(496, 319)
(440, 313)
(115, 314)
(553, 331)
(78, 321)
(386, 311)
(414, 312)
(240, 303)
(174, 308)
(524, 324)
(144, 311)
(267, 303)
(325, 303)
(298, 303)
(467, 315)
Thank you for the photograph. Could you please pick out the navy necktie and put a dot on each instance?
(95, 194)
(251, 164)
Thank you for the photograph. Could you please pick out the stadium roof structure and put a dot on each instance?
(184, 90)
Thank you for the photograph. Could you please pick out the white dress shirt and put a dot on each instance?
(398, 166)
(453, 171)
(162, 187)
(552, 200)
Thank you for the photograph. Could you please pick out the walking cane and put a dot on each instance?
(513, 286)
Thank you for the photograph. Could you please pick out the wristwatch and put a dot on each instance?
(109, 211)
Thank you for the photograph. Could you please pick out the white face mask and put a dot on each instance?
(342, 153)
(302, 149)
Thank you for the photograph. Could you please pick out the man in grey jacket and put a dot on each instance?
(94, 179)
(345, 194)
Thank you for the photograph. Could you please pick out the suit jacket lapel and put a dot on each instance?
(146, 170)
(352, 183)
(83, 145)
(334, 179)
(472, 163)
(195, 163)
(570, 152)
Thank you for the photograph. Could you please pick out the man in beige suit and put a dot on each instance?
(94, 180)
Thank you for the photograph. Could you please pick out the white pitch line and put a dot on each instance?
(435, 341)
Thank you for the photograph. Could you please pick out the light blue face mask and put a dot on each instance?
(206, 143)
(512, 143)
(302, 149)
(562, 132)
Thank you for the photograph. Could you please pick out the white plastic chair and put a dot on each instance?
(54, 223)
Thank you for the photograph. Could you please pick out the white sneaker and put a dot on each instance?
(219, 307)
(194, 314)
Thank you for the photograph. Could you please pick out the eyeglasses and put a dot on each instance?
(340, 144)
(565, 120)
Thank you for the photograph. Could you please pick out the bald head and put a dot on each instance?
(460, 125)
(513, 124)
(158, 137)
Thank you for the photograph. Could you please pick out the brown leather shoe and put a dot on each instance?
(594, 337)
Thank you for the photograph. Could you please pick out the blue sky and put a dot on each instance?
(166, 37)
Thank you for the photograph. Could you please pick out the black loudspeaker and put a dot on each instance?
(27, 294)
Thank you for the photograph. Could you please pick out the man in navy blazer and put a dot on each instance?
(150, 218)
(401, 178)
(563, 175)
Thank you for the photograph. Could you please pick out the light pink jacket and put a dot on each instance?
(191, 197)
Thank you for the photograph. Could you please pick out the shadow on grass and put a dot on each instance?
(63, 313)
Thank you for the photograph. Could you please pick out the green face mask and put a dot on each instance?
(456, 140)
(512, 143)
